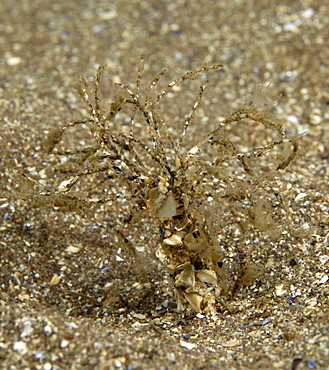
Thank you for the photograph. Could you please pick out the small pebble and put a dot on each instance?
(311, 365)
(14, 61)
(64, 343)
(295, 363)
(292, 262)
(20, 347)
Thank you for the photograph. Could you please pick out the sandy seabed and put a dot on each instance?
(280, 322)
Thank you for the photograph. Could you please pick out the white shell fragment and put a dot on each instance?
(72, 249)
(139, 316)
(231, 343)
(194, 300)
(300, 196)
(168, 208)
(280, 290)
(186, 278)
(322, 280)
(207, 276)
(173, 240)
(64, 185)
(23, 297)
(194, 150)
(187, 344)
(55, 279)
(171, 268)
